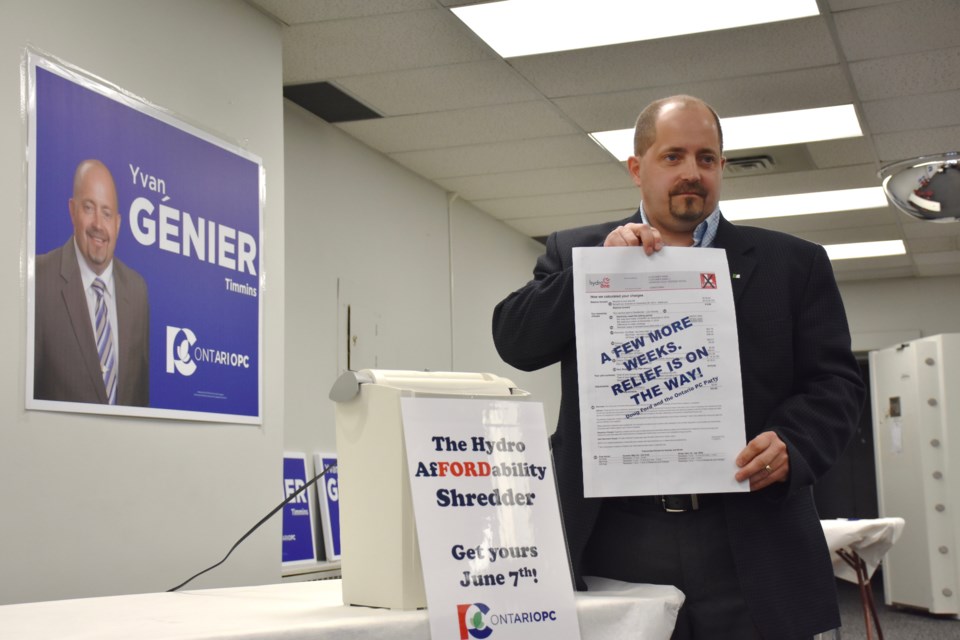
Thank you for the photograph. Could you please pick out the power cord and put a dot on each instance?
(256, 526)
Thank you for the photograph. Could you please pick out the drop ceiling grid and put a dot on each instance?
(509, 209)
(608, 175)
(851, 177)
(545, 225)
(686, 59)
(482, 127)
(479, 125)
(440, 88)
(302, 11)
(513, 155)
(748, 95)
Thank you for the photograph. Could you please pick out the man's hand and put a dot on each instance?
(764, 461)
(635, 235)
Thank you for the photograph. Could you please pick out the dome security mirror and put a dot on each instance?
(927, 188)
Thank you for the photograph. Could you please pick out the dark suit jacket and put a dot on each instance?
(66, 366)
(799, 380)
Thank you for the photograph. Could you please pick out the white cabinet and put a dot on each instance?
(916, 427)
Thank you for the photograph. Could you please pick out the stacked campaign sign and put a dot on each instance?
(488, 521)
(328, 500)
(298, 538)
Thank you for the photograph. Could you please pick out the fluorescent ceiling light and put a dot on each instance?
(800, 204)
(527, 27)
(791, 127)
(865, 249)
(763, 130)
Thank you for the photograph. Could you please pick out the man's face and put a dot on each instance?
(96, 221)
(680, 174)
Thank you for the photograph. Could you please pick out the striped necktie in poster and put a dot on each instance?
(105, 342)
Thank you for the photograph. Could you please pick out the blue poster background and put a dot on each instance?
(297, 529)
(199, 178)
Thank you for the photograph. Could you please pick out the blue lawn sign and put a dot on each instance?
(298, 534)
(329, 503)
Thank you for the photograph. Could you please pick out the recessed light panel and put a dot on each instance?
(526, 27)
(865, 249)
(763, 130)
(799, 204)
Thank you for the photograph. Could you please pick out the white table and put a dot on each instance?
(856, 548)
(302, 610)
(869, 539)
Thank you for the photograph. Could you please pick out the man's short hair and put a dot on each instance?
(646, 130)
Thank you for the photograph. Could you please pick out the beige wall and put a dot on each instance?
(95, 505)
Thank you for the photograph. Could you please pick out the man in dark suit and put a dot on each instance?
(752, 564)
(92, 318)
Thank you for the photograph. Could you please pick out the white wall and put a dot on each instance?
(427, 279)
(882, 313)
(489, 261)
(95, 505)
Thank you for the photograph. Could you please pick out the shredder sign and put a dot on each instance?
(488, 520)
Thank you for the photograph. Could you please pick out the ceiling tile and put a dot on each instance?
(842, 153)
(858, 233)
(561, 203)
(894, 29)
(545, 225)
(300, 11)
(845, 5)
(946, 269)
(609, 175)
(812, 224)
(882, 262)
(914, 228)
(460, 86)
(907, 75)
(852, 177)
(907, 113)
(933, 244)
(910, 144)
(870, 271)
(374, 44)
(462, 127)
(938, 257)
(516, 155)
(768, 48)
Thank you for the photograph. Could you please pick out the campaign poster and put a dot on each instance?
(328, 501)
(488, 520)
(144, 257)
(297, 520)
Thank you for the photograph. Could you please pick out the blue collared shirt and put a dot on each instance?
(704, 234)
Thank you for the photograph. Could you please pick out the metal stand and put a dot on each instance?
(866, 591)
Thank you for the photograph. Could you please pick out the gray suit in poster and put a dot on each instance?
(66, 362)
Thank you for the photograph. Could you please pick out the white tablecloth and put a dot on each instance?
(302, 610)
(870, 539)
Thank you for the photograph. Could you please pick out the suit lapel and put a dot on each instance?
(739, 256)
(75, 300)
(124, 311)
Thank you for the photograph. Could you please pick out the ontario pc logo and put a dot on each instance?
(471, 619)
(184, 355)
(179, 342)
